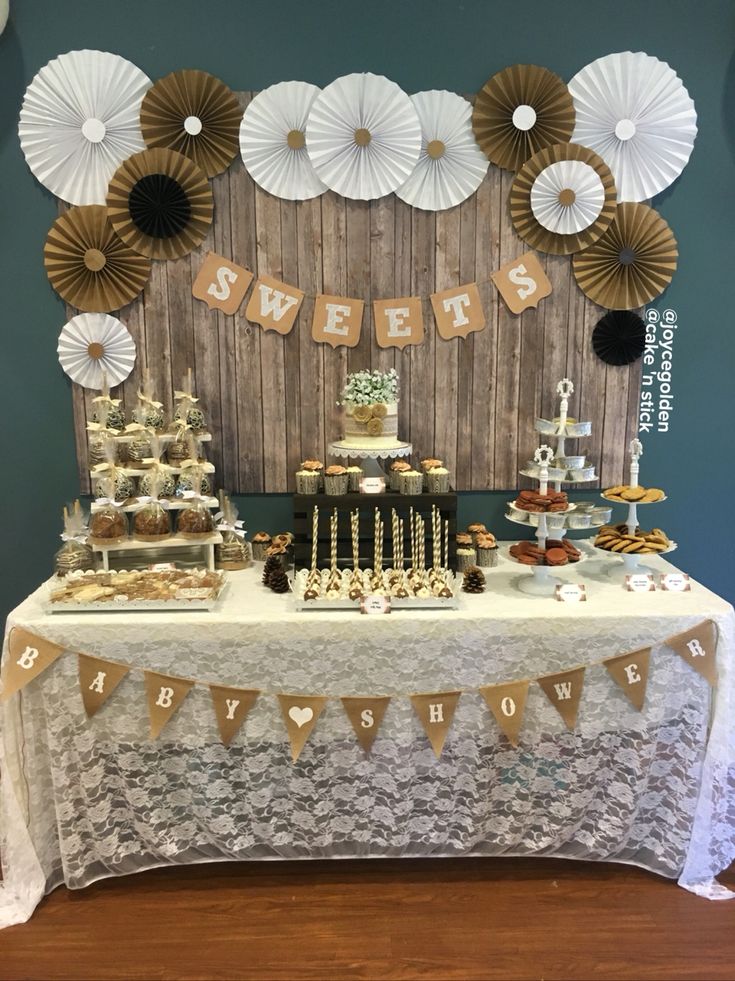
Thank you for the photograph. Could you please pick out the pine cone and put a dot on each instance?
(278, 581)
(474, 580)
(272, 564)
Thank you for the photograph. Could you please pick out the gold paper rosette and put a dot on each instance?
(196, 114)
(88, 265)
(362, 413)
(563, 199)
(375, 426)
(379, 410)
(519, 111)
(160, 204)
(632, 263)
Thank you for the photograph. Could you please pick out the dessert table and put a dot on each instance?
(82, 798)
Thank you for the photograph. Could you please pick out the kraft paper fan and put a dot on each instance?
(563, 199)
(273, 141)
(80, 120)
(160, 204)
(451, 166)
(619, 337)
(632, 263)
(88, 265)
(363, 136)
(635, 112)
(519, 111)
(96, 349)
(193, 113)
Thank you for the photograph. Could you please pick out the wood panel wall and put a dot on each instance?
(270, 400)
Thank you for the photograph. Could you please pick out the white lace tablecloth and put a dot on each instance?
(85, 799)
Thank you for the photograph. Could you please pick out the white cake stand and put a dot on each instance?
(370, 455)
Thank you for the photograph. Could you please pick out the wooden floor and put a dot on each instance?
(439, 919)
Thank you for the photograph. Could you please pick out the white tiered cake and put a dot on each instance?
(370, 401)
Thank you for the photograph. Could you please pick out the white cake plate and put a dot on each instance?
(631, 564)
(371, 455)
(542, 582)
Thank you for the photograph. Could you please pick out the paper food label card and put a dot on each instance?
(274, 305)
(399, 322)
(640, 582)
(372, 485)
(221, 284)
(458, 311)
(337, 320)
(675, 582)
(571, 592)
(375, 603)
(522, 283)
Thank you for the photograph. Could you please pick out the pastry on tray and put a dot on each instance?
(616, 538)
(625, 494)
(557, 552)
(532, 501)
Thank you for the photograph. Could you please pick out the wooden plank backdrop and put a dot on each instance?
(271, 400)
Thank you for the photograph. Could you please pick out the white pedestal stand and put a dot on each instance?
(370, 457)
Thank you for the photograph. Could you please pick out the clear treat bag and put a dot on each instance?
(195, 519)
(151, 520)
(75, 553)
(108, 523)
(123, 485)
(100, 432)
(192, 468)
(151, 411)
(234, 553)
(114, 415)
(139, 446)
(188, 410)
(178, 449)
(158, 472)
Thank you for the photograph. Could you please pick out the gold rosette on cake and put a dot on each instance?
(379, 410)
(196, 114)
(160, 204)
(375, 427)
(88, 265)
(563, 199)
(632, 263)
(362, 413)
(519, 111)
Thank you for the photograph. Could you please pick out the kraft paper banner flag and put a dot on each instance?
(28, 656)
(399, 322)
(507, 703)
(697, 646)
(630, 671)
(164, 695)
(436, 712)
(300, 713)
(365, 714)
(231, 705)
(97, 680)
(522, 282)
(564, 691)
(458, 311)
(273, 304)
(221, 284)
(337, 320)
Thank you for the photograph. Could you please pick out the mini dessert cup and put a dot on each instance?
(438, 480)
(579, 519)
(411, 482)
(555, 520)
(261, 542)
(308, 481)
(466, 558)
(570, 462)
(546, 427)
(487, 558)
(583, 473)
(578, 428)
(354, 474)
(336, 481)
(601, 516)
(394, 474)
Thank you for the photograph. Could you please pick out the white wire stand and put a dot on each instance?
(370, 456)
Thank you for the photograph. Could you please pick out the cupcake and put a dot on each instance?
(466, 558)
(487, 550)
(354, 474)
(477, 528)
(261, 541)
(285, 539)
(438, 480)
(410, 482)
(336, 480)
(394, 474)
(428, 464)
(278, 550)
(464, 539)
(309, 478)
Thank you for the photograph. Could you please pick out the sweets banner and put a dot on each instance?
(337, 320)
(29, 655)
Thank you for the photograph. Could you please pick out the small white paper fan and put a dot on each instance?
(634, 111)
(273, 142)
(451, 166)
(80, 120)
(95, 346)
(567, 197)
(363, 136)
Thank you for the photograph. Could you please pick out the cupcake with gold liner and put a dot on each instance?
(261, 541)
(410, 482)
(309, 477)
(394, 474)
(438, 480)
(336, 480)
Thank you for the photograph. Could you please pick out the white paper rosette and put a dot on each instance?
(567, 197)
(634, 111)
(451, 166)
(95, 348)
(79, 121)
(363, 136)
(273, 144)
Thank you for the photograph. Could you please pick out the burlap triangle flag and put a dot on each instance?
(164, 695)
(231, 705)
(436, 711)
(300, 713)
(564, 691)
(630, 671)
(698, 647)
(366, 715)
(28, 656)
(97, 680)
(507, 703)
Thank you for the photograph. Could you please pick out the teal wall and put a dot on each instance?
(420, 44)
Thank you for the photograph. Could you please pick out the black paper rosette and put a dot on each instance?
(619, 337)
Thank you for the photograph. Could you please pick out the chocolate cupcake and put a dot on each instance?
(261, 541)
(487, 550)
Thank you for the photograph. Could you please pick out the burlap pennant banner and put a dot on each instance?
(274, 305)
(231, 706)
(300, 714)
(164, 695)
(436, 711)
(630, 672)
(365, 714)
(28, 656)
(458, 311)
(221, 283)
(97, 680)
(698, 647)
(399, 322)
(337, 320)
(507, 702)
(564, 691)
